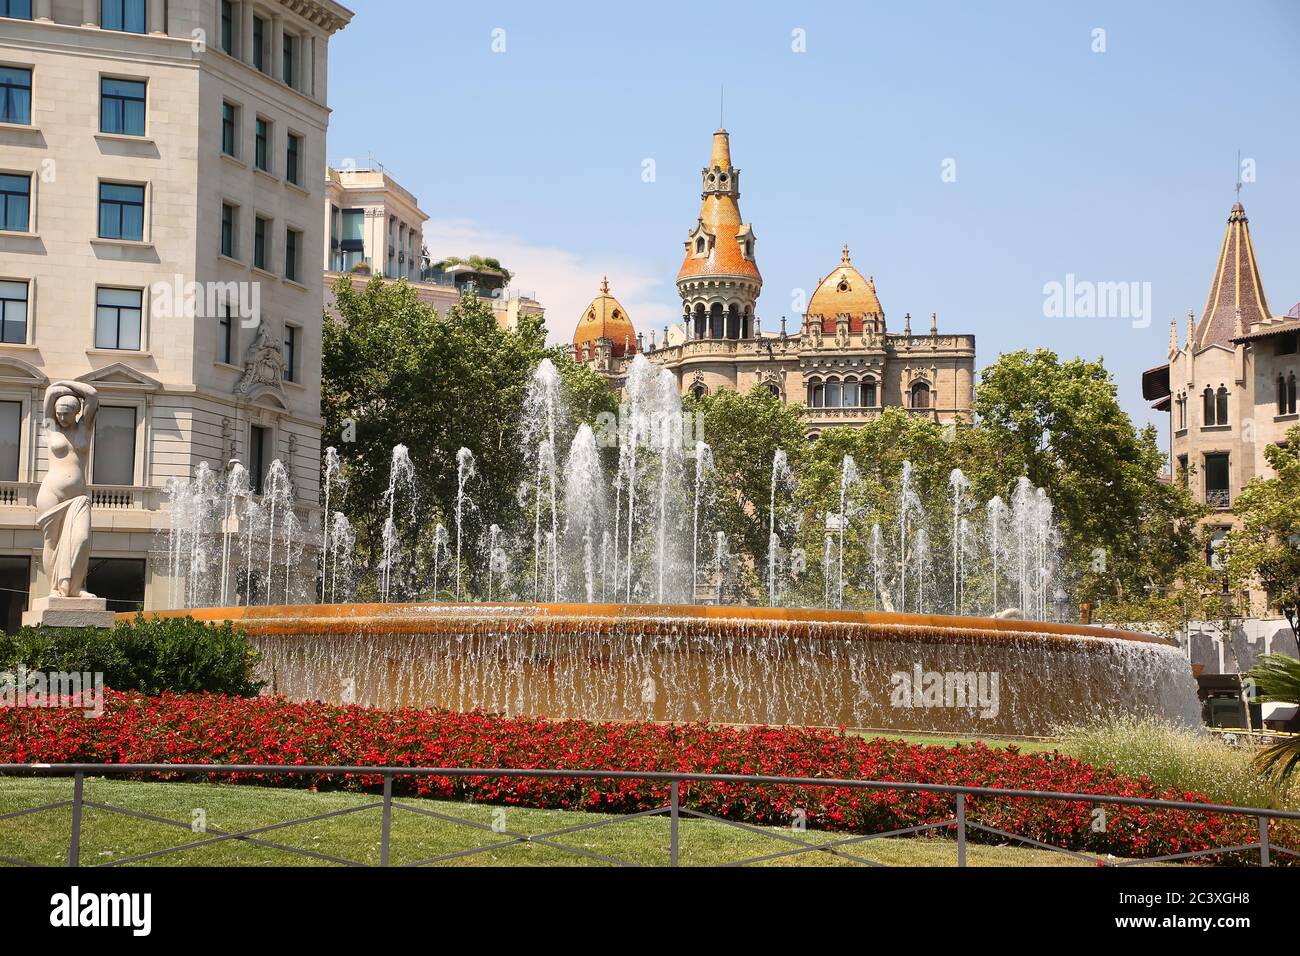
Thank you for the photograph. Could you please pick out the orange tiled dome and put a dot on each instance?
(606, 318)
(720, 221)
(845, 290)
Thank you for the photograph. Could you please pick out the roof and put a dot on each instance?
(720, 218)
(1155, 383)
(1236, 286)
(844, 291)
(1277, 327)
(606, 318)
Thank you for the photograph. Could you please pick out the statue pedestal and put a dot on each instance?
(68, 612)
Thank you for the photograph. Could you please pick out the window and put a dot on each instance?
(353, 244)
(114, 451)
(816, 395)
(292, 244)
(11, 440)
(293, 159)
(119, 314)
(1215, 406)
(699, 245)
(921, 395)
(869, 394)
(121, 106)
(1214, 548)
(226, 336)
(15, 578)
(261, 144)
(230, 129)
(229, 220)
(833, 395)
(15, 202)
(288, 61)
(11, 425)
(1182, 470)
(228, 27)
(1221, 405)
(15, 94)
(259, 455)
(121, 211)
(1217, 486)
(126, 16)
(852, 395)
(1286, 394)
(13, 312)
(120, 581)
(259, 43)
(261, 229)
(290, 352)
(16, 9)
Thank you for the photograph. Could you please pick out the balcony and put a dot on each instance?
(1218, 498)
(22, 494)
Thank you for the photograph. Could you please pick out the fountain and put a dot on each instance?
(919, 583)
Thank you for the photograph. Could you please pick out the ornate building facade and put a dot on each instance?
(1229, 384)
(841, 363)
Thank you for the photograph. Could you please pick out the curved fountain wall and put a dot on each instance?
(901, 672)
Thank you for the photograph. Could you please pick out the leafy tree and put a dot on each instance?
(1127, 531)
(1266, 547)
(745, 432)
(1277, 679)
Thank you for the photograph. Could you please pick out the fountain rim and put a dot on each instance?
(324, 618)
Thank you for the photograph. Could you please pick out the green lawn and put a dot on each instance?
(106, 837)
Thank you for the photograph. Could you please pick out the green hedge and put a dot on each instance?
(148, 654)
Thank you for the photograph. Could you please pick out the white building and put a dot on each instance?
(161, 210)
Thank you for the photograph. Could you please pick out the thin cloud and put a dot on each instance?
(564, 282)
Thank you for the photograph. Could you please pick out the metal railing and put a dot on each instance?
(674, 809)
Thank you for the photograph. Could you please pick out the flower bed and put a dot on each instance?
(174, 728)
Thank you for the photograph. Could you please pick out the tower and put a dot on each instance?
(719, 281)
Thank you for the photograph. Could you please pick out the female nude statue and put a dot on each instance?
(63, 501)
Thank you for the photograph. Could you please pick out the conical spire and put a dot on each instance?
(721, 243)
(721, 157)
(1236, 286)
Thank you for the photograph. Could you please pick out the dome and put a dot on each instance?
(606, 318)
(845, 290)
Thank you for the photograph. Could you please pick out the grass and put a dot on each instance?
(109, 837)
(1179, 757)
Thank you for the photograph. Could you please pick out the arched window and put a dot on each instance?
(699, 391)
(1221, 406)
(699, 245)
(1208, 401)
(816, 394)
(851, 394)
(733, 321)
(1290, 394)
(833, 394)
(869, 394)
(771, 387)
(920, 395)
(699, 321)
(747, 324)
(1281, 394)
(715, 321)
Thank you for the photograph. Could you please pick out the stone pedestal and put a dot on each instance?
(69, 612)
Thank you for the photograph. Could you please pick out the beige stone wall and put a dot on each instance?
(789, 364)
(188, 408)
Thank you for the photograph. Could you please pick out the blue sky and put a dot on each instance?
(1113, 166)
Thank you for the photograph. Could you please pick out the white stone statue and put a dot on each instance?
(63, 501)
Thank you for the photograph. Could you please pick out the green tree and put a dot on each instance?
(394, 371)
(1124, 529)
(1265, 549)
(745, 432)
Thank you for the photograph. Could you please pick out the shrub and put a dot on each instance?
(151, 655)
(1177, 757)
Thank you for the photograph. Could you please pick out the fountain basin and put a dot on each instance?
(740, 665)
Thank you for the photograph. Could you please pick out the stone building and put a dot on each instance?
(374, 226)
(162, 218)
(1229, 383)
(842, 362)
